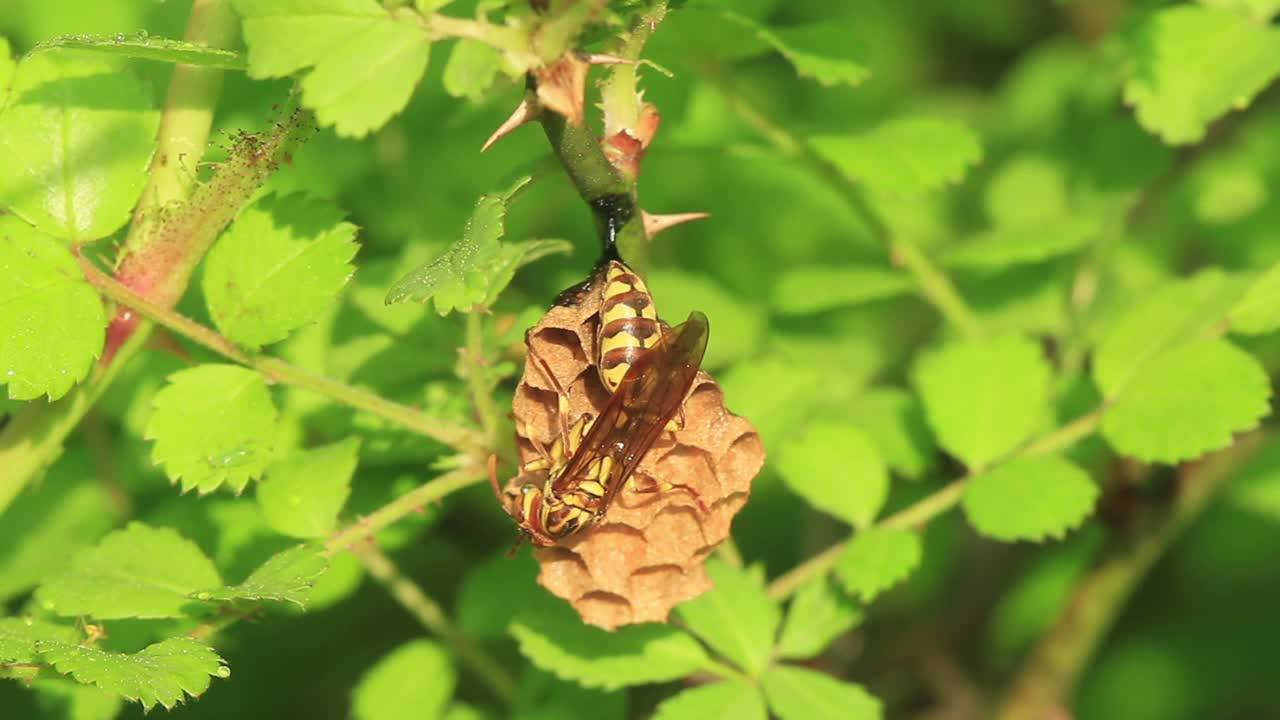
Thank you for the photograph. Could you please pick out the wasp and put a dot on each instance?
(590, 462)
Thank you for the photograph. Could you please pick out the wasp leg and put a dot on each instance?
(656, 487)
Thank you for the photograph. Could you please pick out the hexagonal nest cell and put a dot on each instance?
(646, 554)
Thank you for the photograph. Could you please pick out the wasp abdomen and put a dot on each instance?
(628, 323)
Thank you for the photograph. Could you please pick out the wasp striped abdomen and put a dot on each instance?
(628, 323)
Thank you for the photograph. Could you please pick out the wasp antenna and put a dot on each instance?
(654, 224)
(520, 538)
(527, 110)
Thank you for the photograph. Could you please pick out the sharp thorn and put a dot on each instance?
(527, 110)
(605, 59)
(654, 224)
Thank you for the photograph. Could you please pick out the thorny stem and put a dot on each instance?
(276, 369)
(1049, 674)
(933, 284)
(413, 501)
(922, 511)
(425, 610)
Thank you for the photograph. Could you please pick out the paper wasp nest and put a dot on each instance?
(646, 555)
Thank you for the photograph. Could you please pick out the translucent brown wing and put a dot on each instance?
(648, 397)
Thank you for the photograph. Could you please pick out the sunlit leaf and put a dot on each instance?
(165, 673)
(1258, 311)
(471, 68)
(416, 680)
(1029, 498)
(736, 617)
(907, 155)
(19, 635)
(287, 576)
(877, 559)
(148, 47)
(837, 469)
(725, 700)
(303, 493)
(797, 693)
(819, 613)
(807, 289)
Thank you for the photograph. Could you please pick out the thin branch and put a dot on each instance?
(932, 505)
(433, 491)
(478, 378)
(402, 415)
(425, 610)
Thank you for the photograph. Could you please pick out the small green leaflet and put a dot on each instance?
(729, 700)
(1257, 486)
(491, 589)
(736, 618)
(1176, 95)
(739, 326)
(1025, 190)
(53, 323)
(819, 613)
(59, 174)
(876, 559)
(841, 287)
(163, 673)
(983, 397)
(1020, 245)
(138, 572)
(364, 62)
(287, 576)
(478, 267)
(895, 422)
(471, 68)
(1029, 498)
(303, 493)
(148, 47)
(828, 54)
(797, 693)
(413, 682)
(19, 635)
(556, 640)
(905, 156)
(837, 469)
(1188, 401)
(279, 267)
(1258, 311)
(231, 444)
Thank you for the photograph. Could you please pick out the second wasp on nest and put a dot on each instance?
(631, 466)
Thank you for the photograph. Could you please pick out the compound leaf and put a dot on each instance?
(1176, 94)
(19, 635)
(52, 321)
(138, 572)
(876, 559)
(163, 673)
(148, 47)
(287, 576)
(736, 617)
(76, 135)
(983, 397)
(1188, 401)
(819, 613)
(232, 442)
(797, 693)
(1029, 498)
(278, 268)
(837, 469)
(303, 493)
(907, 155)
(364, 62)
(731, 699)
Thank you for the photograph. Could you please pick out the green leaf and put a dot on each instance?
(907, 155)
(303, 493)
(413, 682)
(837, 469)
(983, 397)
(364, 61)
(76, 134)
(476, 268)
(163, 673)
(148, 47)
(471, 68)
(287, 576)
(138, 572)
(819, 613)
(490, 591)
(1258, 311)
(1175, 92)
(876, 559)
(1025, 190)
(1258, 10)
(895, 422)
(1188, 401)
(1019, 245)
(821, 51)
(1257, 485)
(19, 635)
(232, 442)
(736, 618)
(555, 639)
(1172, 314)
(7, 67)
(797, 693)
(278, 268)
(53, 322)
(1029, 498)
(717, 701)
(738, 326)
(816, 288)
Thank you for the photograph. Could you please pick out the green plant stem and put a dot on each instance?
(277, 369)
(478, 379)
(1049, 674)
(932, 505)
(413, 501)
(933, 284)
(425, 610)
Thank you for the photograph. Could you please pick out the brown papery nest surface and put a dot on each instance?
(646, 555)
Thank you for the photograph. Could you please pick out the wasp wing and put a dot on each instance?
(648, 397)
